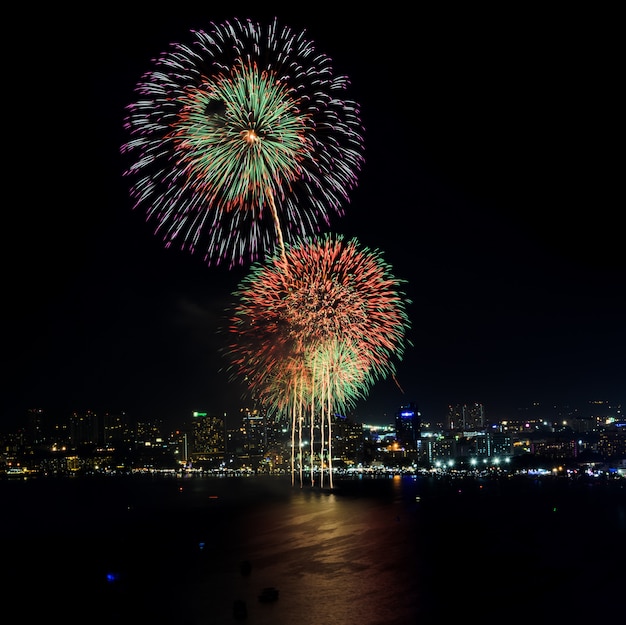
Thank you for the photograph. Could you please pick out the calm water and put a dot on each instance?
(393, 551)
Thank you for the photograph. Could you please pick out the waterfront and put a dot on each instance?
(389, 551)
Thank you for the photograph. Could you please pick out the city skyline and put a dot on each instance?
(472, 189)
(549, 414)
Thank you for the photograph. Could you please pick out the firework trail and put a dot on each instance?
(241, 142)
(313, 339)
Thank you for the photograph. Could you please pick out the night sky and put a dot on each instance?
(490, 185)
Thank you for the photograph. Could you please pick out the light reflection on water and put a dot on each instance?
(335, 559)
(394, 551)
(338, 556)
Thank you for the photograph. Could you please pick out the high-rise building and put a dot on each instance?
(85, 428)
(35, 430)
(347, 438)
(466, 418)
(254, 430)
(408, 426)
(209, 438)
(116, 429)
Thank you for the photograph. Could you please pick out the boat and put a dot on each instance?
(15, 472)
(240, 609)
(268, 594)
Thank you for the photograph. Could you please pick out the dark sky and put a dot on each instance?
(490, 185)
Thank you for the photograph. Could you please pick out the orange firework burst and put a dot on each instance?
(315, 328)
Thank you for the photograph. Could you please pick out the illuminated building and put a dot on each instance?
(466, 418)
(209, 438)
(408, 427)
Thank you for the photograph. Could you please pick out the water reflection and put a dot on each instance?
(334, 556)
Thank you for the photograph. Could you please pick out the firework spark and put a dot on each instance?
(316, 327)
(242, 141)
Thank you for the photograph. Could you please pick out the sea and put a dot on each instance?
(391, 550)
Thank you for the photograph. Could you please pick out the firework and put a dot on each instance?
(242, 141)
(316, 327)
